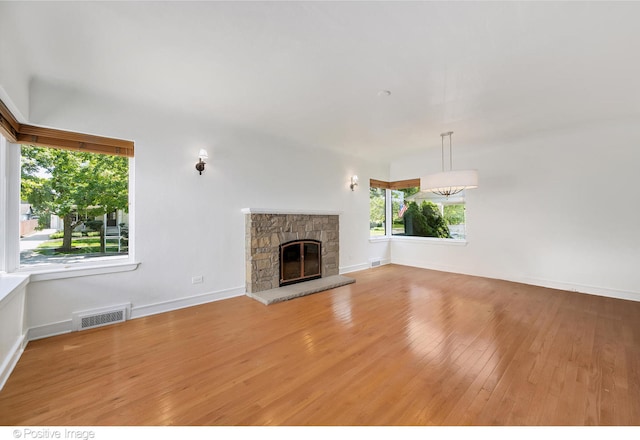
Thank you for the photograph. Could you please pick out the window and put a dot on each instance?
(377, 212)
(414, 213)
(73, 182)
(400, 200)
(422, 214)
(455, 218)
(74, 206)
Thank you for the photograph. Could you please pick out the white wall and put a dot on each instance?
(12, 76)
(542, 215)
(187, 224)
(557, 209)
(12, 287)
(12, 323)
(379, 251)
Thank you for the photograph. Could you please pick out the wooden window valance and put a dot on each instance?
(67, 140)
(398, 184)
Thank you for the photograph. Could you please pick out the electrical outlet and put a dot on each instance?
(196, 280)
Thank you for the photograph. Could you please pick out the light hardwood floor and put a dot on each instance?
(401, 346)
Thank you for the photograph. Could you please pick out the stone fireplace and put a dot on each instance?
(267, 230)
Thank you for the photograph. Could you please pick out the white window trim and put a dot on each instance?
(10, 202)
(430, 240)
(3, 204)
(427, 240)
(10, 228)
(79, 270)
(388, 221)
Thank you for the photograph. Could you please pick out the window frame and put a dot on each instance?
(389, 236)
(12, 135)
(386, 215)
(10, 202)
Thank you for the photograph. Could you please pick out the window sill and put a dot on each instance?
(61, 272)
(413, 239)
(10, 283)
(431, 240)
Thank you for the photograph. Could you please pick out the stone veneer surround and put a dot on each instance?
(266, 230)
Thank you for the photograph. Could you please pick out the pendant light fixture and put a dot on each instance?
(450, 182)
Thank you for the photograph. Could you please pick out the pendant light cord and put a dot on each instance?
(450, 153)
(442, 139)
(449, 133)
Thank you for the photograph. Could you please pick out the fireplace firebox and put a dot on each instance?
(300, 260)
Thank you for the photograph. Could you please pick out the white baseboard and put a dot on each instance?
(181, 303)
(551, 284)
(381, 261)
(11, 359)
(354, 268)
(438, 267)
(48, 330)
(58, 328)
(581, 288)
(364, 266)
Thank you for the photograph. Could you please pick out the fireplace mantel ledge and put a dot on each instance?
(288, 211)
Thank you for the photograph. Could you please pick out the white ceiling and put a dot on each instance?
(311, 72)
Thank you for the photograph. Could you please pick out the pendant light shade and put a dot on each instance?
(446, 183)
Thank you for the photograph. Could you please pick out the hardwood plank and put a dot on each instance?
(400, 347)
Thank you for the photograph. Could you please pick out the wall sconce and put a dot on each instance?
(202, 155)
(354, 182)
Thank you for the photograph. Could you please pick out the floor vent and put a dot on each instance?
(100, 317)
(375, 263)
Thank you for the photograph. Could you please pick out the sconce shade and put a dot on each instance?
(202, 156)
(447, 183)
(354, 182)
